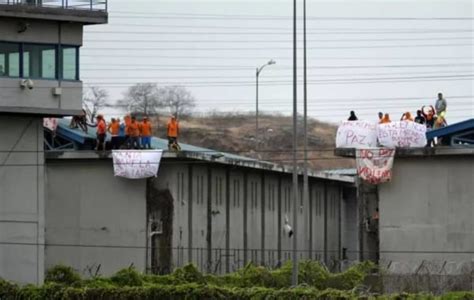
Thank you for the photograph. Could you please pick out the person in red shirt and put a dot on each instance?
(101, 133)
(145, 133)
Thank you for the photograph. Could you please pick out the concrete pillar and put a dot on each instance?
(22, 199)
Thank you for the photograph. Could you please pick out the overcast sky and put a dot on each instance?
(367, 56)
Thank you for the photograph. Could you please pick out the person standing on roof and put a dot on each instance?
(352, 116)
(101, 133)
(145, 132)
(114, 130)
(133, 133)
(121, 136)
(127, 120)
(406, 117)
(385, 119)
(440, 107)
(419, 117)
(173, 132)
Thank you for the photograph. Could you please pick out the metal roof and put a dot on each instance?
(187, 152)
(455, 134)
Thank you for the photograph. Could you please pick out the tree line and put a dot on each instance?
(143, 98)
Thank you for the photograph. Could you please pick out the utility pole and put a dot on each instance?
(305, 117)
(295, 165)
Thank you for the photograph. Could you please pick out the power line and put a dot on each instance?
(449, 65)
(320, 80)
(250, 57)
(113, 12)
(93, 31)
(148, 15)
(273, 48)
(275, 28)
(148, 41)
(352, 100)
(152, 77)
(122, 84)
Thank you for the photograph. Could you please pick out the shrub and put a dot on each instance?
(7, 290)
(188, 274)
(63, 275)
(127, 277)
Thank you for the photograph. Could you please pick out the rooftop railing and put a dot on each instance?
(90, 5)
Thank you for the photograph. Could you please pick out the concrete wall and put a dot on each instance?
(426, 213)
(21, 199)
(94, 218)
(41, 31)
(40, 99)
(235, 215)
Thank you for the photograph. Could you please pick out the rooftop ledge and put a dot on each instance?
(86, 11)
(417, 152)
(52, 155)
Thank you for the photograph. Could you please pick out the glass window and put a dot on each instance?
(9, 59)
(69, 63)
(39, 61)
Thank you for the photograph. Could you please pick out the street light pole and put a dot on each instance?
(295, 166)
(257, 73)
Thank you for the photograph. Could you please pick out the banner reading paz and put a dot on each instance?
(356, 134)
(136, 164)
(375, 165)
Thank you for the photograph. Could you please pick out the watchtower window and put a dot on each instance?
(39, 61)
(69, 63)
(9, 60)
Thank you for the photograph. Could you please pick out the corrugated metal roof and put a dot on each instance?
(346, 172)
(187, 151)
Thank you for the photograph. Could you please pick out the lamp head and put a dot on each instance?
(271, 62)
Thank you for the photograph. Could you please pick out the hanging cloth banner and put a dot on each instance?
(402, 134)
(356, 134)
(375, 165)
(50, 123)
(136, 164)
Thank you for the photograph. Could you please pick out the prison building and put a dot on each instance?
(426, 210)
(216, 210)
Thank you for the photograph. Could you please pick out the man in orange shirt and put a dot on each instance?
(172, 133)
(101, 133)
(133, 132)
(113, 129)
(145, 132)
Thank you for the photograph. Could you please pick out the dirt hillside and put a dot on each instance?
(235, 133)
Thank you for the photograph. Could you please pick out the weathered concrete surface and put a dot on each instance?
(21, 199)
(83, 16)
(427, 213)
(94, 218)
(40, 99)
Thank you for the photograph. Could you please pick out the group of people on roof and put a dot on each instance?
(432, 117)
(129, 134)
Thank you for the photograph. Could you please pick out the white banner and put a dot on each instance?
(402, 134)
(356, 134)
(136, 164)
(375, 165)
(50, 123)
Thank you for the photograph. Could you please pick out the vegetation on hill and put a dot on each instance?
(236, 133)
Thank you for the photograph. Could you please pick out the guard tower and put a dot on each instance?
(40, 43)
